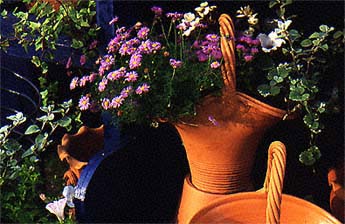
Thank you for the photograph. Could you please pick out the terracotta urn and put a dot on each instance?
(78, 148)
(268, 205)
(221, 140)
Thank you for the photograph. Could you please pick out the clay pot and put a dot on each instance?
(267, 205)
(77, 149)
(337, 194)
(221, 140)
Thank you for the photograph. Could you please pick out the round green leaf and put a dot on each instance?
(32, 129)
(306, 43)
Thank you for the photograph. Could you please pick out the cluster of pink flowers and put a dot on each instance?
(248, 47)
(209, 49)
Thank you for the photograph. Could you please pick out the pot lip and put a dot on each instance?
(271, 110)
(232, 198)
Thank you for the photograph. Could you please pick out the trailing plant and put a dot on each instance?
(20, 156)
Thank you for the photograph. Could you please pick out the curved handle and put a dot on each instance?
(227, 45)
(273, 185)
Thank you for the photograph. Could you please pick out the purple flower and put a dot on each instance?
(126, 49)
(241, 47)
(215, 64)
(84, 103)
(216, 54)
(126, 91)
(83, 80)
(254, 50)
(82, 59)
(213, 120)
(117, 74)
(145, 47)
(74, 83)
(202, 57)
(248, 58)
(174, 16)
(175, 63)
(102, 84)
(93, 44)
(157, 10)
(255, 42)
(135, 61)
(114, 20)
(143, 33)
(131, 76)
(155, 46)
(114, 44)
(142, 89)
(117, 101)
(212, 37)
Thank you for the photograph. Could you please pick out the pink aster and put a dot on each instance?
(92, 77)
(212, 37)
(175, 63)
(83, 80)
(131, 76)
(74, 83)
(117, 101)
(106, 104)
(84, 103)
(102, 84)
(142, 89)
(215, 64)
(126, 91)
(248, 58)
(157, 10)
(135, 61)
(174, 16)
(143, 33)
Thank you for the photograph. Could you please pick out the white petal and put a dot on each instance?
(58, 208)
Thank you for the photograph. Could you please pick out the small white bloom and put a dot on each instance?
(204, 4)
(68, 192)
(284, 25)
(58, 208)
(270, 42)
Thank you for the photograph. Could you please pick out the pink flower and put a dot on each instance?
(142, 89)
(102, 84)
(248, 58)
(92, 77)
(83, 80)
(117, 101)
(106, 104)
(74, 83)
(135, 61)
(84, 103)
(93, 44)
(212, 37)
(126, 91)
(215, 64)
(82, 59)
(131, 76)
(175, 63)
(143, 33)
(69, 63)
(157, 10)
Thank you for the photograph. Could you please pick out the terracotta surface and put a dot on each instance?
(77, 149)
(221, 140)
(337, 194)
(267, 205)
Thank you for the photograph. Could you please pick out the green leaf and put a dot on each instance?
(316, 42)
(324, 47)
(28, 152)
(64, 122)
(264, 90)
(44, 67)
(305, 96)
(306, 43)
(294, 34)
(12, 145)
(307, 158)
(338, 34)
(275, 90)
(36, 61)
(4, 13)
(278, 79)
(324, 28)
(272, 4)
(282, 72)
(32, 129)
(77, 44)
(314, 35)
(34, 26)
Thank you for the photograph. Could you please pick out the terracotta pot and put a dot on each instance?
(267, 205)
(221, 140)
(77, 149)
(337, 194)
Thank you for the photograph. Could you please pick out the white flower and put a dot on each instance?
(204, 9)
(188, 17)
(282, 26)
(270, 42)
(203, 4)
(68, 193)
(58, 208)
(191, 27)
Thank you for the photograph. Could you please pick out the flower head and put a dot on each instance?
(175, 63)
(135, 61)
(74, 83)
(143, 33)
(142, 89)
(106, 104)
(215, 64)
(83, 80)
(270, 42)
(84, 103)
(131, 76)
(157, 11)
(117, 101)
(126, 91)
(58, 208)
(82, 60)
(102, 84)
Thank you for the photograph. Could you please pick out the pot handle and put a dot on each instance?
(227, 45)
(274, 180)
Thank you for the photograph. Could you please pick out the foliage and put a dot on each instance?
(19, 160)
(156, 71)
(295, 66)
